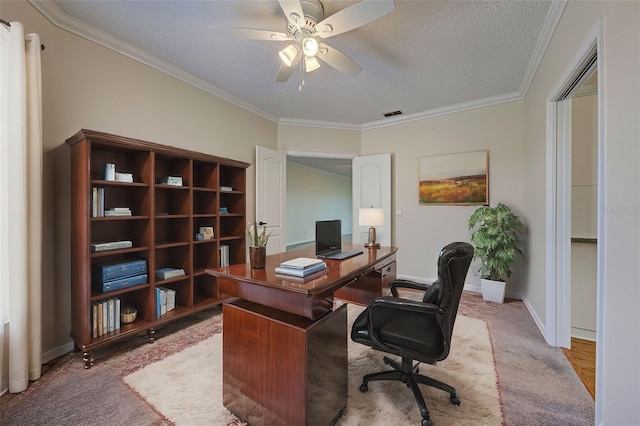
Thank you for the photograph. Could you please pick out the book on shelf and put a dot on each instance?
(103, 272)
(109, 171)
(226, 188)
(97, 202)
(105, 316)
(111, 245)
(224, 255)
(161, 302)
(111, 310)
(301, 263)
(170, 296)
(166, 273)
(124, 177)
(301, 272)
(94, 319)
(119, 283)
(99, 318)
(117, 211)
(117, 313)
(170, 180)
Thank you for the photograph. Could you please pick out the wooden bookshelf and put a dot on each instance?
(162, 228)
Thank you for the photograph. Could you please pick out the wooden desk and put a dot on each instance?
(284, 346)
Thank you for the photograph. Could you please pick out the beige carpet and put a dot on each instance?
(195, 375)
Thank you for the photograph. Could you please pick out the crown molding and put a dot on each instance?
(481, 103)
(551, 22)
(61, 20)
(318, 124)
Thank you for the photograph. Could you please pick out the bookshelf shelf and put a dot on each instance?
(162, 229)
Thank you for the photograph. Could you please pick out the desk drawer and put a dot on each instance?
(388, 273)
(371, 285)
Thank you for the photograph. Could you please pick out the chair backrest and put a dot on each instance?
(453, 265)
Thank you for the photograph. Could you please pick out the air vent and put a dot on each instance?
(392, 113)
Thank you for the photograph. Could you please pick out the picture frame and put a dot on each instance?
(460, 179)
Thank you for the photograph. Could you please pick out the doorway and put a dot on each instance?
(584, 211)
(318, 188)
(560, 198)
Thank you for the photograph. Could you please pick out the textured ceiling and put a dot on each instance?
(424, 56)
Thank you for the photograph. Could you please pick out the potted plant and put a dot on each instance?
(257, 245)
(496, 234)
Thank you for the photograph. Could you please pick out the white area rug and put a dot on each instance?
(187, 387)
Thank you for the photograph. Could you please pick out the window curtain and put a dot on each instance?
(20, 208)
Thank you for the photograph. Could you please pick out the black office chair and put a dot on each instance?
(416, 330)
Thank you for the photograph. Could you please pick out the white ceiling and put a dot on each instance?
(424, 58)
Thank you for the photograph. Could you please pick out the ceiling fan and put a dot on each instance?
(306, 26)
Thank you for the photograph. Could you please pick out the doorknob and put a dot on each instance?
(261, 223)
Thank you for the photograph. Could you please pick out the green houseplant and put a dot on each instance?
(257, 245)
(495, 236)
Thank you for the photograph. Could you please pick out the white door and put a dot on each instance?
(271, 190)
(371, 187)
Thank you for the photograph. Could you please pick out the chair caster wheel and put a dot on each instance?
(427, 422)
(455, 400)
(364, 388)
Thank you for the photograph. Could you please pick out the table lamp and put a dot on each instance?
(371, 217)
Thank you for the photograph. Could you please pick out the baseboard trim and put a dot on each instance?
(584, 334)
(57, 352)
(536, 319)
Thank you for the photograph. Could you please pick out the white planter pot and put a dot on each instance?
(492, 291)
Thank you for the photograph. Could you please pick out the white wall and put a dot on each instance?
(422, 230)
(87, 86)
(312, 195)
(618, 370)
(318, 140)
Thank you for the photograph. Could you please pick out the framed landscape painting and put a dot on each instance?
(454, 179)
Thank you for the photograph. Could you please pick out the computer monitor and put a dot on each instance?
(328, 236)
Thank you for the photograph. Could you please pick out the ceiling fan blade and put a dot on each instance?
(250, 33)
(285, 72)
(338, 60)
(353, 16)
(293, 11)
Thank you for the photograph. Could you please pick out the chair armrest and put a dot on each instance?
(387, 303)
(407, 284)
(390, 302)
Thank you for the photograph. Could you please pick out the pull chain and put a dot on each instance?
(301, 86)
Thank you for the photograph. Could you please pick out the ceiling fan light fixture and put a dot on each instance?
(288, 54)
(311, 64)
(310, 47)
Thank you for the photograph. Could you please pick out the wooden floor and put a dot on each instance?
(582, 356)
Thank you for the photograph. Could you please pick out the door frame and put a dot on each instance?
(558, 211)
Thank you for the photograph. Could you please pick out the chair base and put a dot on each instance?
(408, 373)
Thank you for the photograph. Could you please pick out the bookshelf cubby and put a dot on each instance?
(162, 228)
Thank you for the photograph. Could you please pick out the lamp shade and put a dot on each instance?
(311, 64)
(371, 217)
(288, 54)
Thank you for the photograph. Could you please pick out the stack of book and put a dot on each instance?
(301, 267)
(165, 300)
(105, 316)
(224, 255)
(114, 276)
(118, 211)
(166, 273)
(170, 180)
